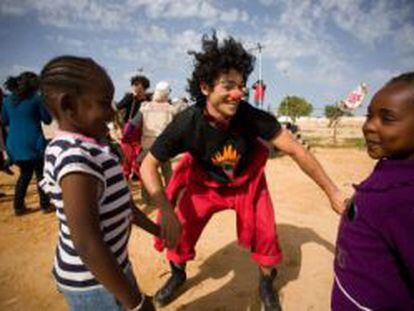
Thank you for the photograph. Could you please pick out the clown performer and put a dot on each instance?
(223, 167)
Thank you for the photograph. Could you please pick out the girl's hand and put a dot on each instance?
(170, 228)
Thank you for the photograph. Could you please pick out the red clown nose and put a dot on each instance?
(236, 95)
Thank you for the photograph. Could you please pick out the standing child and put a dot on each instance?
(224, 167)
(86, 184)
(374, 262)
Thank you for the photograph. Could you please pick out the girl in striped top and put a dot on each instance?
(85, 182)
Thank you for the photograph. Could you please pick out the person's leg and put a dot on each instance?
(268, 296)
(265, 249)
(127, 160)
(193, 211)
(193, 221)
(136, 165)
(44, 200)
(26, 172)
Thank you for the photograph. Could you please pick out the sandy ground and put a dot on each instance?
(222, 277)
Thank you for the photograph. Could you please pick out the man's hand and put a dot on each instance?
(338, 201)
(285, 142)
(170, 225)
(170, 228)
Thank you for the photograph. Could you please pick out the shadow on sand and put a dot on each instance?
(244, 283)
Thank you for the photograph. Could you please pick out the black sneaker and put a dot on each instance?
(269, 298)
(167, 293)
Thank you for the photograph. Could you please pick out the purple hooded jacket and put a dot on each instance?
(374, 260)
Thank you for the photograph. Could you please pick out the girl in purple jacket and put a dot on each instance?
(374, 261)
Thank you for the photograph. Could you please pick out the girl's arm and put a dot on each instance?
(142, 221)
(80, 196)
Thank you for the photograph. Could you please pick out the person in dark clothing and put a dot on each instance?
(3, 159)
(131, 102)
(223, 168)
(22, 113)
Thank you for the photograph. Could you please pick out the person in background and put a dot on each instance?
(259, 93)
(131, 136)
(131, 102)
(3, 156)
(22, 114)
(5, 161)
(156, 115)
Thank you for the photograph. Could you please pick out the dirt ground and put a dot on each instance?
(223, 277)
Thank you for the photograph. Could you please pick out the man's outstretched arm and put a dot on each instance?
(285, 142)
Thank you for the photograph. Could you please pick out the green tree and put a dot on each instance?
(294, 107)
(334, 114)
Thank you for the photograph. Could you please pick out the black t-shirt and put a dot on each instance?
(223, 153)
(130, 105)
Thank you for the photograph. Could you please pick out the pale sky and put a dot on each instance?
(319, 50)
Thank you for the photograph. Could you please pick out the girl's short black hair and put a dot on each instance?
(216, 58)
(407, 77)
(143, 80)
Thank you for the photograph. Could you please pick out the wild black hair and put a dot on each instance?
(142, 80)
(73, 75)
(407, 77)
(217, 58)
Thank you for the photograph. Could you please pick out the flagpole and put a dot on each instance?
(259, 47)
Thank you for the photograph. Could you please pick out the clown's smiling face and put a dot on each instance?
(224, 97)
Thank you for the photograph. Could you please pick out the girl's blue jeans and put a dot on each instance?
(95, 299)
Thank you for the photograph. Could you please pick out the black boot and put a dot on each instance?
(166, 293)
(268, 296)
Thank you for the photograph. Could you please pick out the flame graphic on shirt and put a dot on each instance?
(227, 159)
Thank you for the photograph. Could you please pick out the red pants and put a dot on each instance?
(202, 197)
(131, 150)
